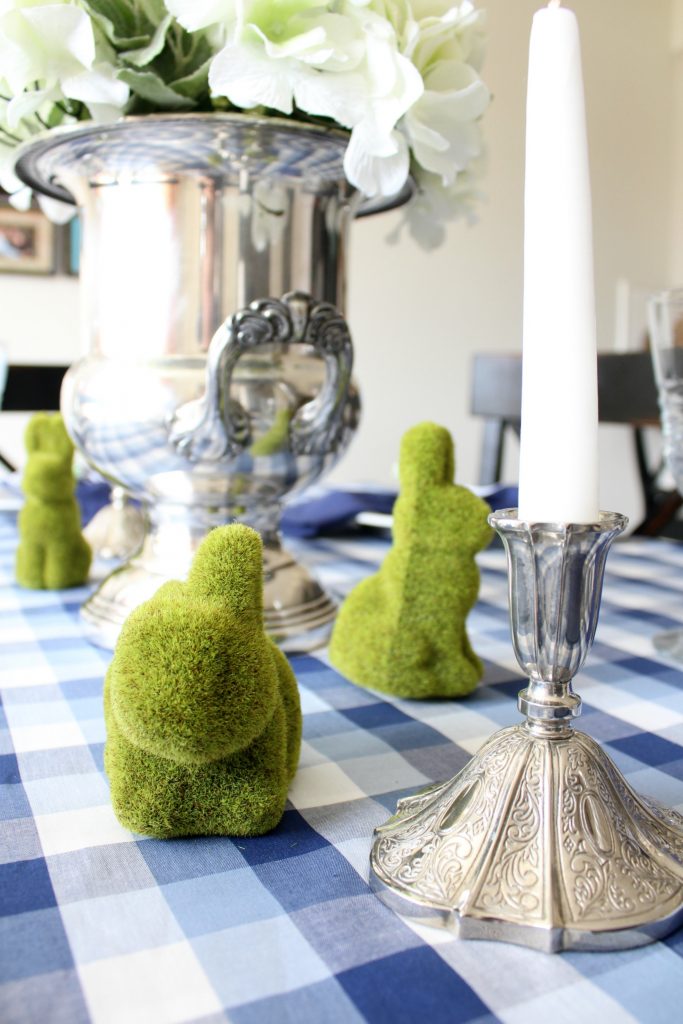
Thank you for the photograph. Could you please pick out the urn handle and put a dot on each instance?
(216, 426)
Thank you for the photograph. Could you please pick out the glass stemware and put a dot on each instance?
(665, 314)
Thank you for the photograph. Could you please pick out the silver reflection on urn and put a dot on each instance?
(217, 381)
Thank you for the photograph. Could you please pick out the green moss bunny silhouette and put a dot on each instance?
(201, 708)
(402, 630)
(52, 552)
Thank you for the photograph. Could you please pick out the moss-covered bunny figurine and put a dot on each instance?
(52, 552)
(402, 630)
(201, 708)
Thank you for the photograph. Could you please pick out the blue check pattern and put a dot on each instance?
(104, 926)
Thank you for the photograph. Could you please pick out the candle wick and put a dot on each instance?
(554, 3)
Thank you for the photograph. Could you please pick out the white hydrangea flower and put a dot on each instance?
(444, 30)
(444, 41)
(443, 125)
(48, 52)
(20, 195)
(435, 205)
(276, 52)
(343, 65)
(401, 75)
(377, 164)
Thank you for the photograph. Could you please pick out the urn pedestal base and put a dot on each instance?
(298, 613)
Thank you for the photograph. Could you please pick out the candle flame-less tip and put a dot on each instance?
(554, 3)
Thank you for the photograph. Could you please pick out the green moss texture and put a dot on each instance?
(276, 439)
(201, 708)
(52, 552)
(402, 631)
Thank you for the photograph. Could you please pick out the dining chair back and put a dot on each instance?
(31, 388)
(627, 394)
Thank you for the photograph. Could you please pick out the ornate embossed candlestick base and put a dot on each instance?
(539, 840)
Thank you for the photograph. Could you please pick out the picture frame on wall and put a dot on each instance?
(27, 242)
(73, 229)
(67, 248)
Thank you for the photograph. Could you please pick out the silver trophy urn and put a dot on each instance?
(217, 382)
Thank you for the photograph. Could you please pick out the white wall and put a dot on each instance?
(418, 317)
(676, 165)
(39, 318)
(39, 323)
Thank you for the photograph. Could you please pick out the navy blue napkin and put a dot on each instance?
(329, 512)
(336, 510)
(92, 495)
(333, 511)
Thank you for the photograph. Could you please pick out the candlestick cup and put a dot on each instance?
(540, 840)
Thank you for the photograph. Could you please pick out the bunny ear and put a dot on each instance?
(427, 458)
(35, 433)
(229, 567)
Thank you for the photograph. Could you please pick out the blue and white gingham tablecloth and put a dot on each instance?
(104, 926)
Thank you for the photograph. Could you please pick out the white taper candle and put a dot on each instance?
(558, 473)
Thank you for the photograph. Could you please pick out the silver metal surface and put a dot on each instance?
(117, 531)
(539, 840)
(201, 227)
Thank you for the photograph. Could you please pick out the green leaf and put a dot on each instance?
(150, 87)
(152, 10)
(116, 41)
(146, 54)
(55, 116)
(117, 20)
(127, 24)
(194, 84)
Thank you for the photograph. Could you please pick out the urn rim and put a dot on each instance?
(30, 156)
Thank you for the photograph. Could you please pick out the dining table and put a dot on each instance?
(101, 925)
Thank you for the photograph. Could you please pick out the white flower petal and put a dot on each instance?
(442, 148)
(375, 174)
(466, 94)
(56, 211)
(44, 44)
(249, 79)
(456, 33)
(309, 45)
(436, 204)
(396, 93)
(98, 86)
(422, 134)
(333, 42)
(27, 103)
(341, 97)
(21, 199)
(9, 181)
(443, 127)
(197, 14)
(103, 113)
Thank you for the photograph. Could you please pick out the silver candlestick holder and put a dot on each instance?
(540, 840)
